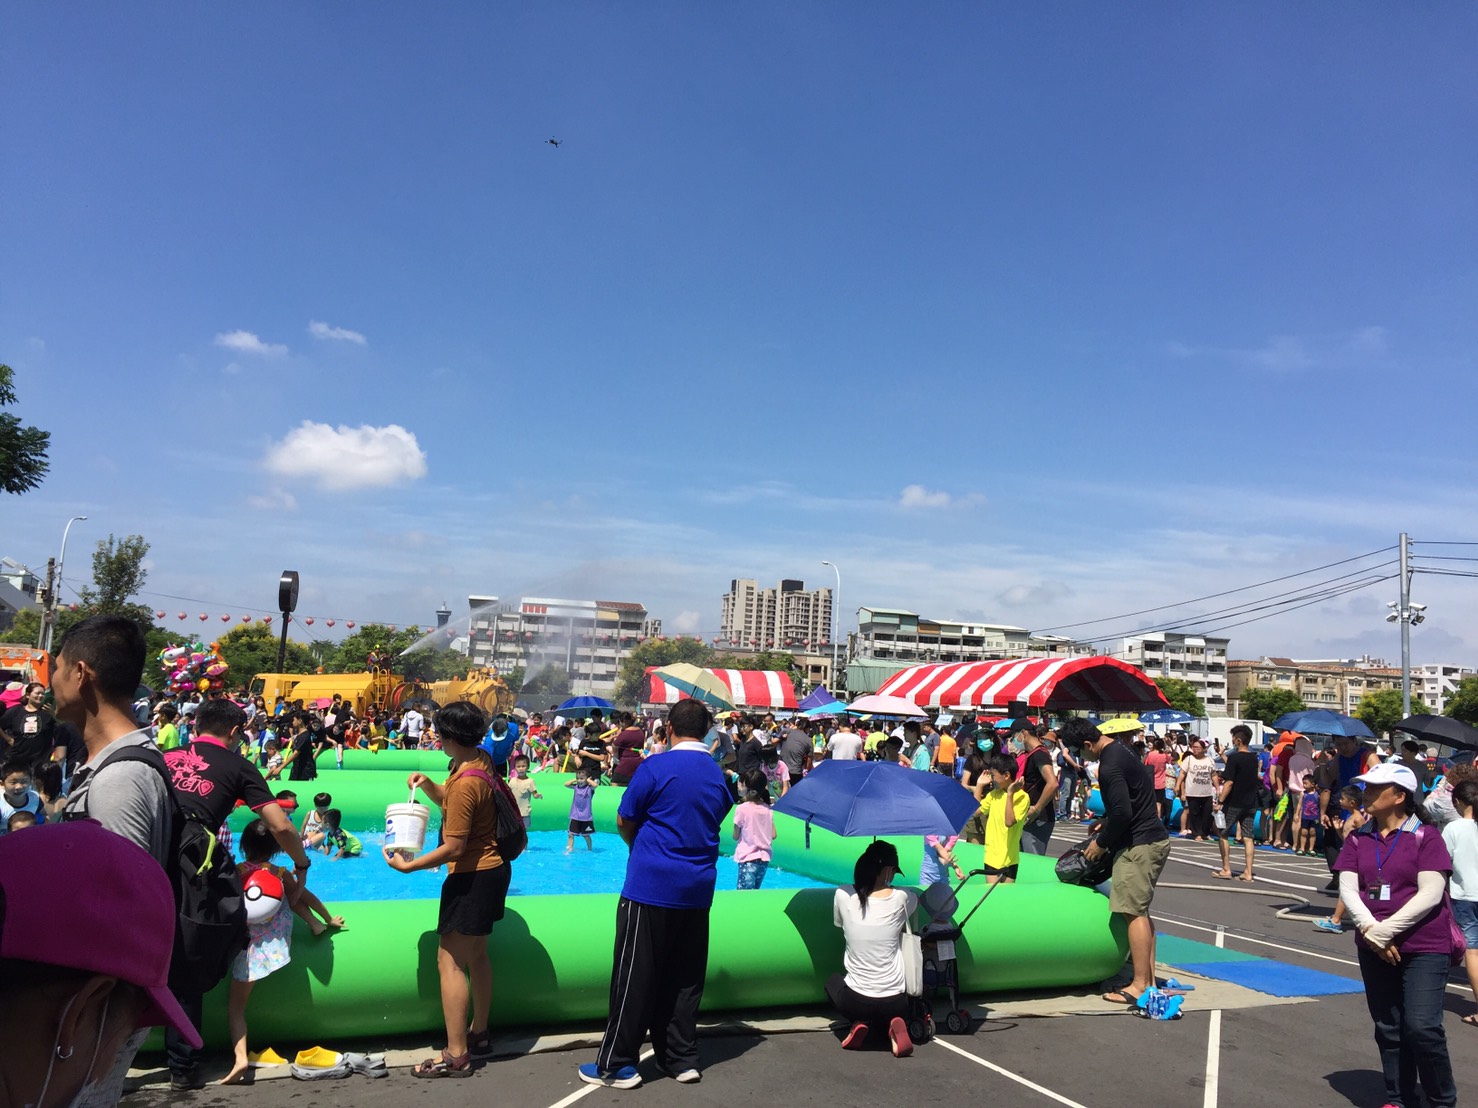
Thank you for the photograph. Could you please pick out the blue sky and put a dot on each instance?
(1039, 315)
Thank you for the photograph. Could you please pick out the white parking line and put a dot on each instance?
(1256, 879)
(586, 1090)
(1213, 1045)
(979, 1061)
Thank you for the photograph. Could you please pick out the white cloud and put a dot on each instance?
(1297, 353)
(273, 500)
(247, 343)
(916, 496)
(687, 622)
(337, 458)
(321, 330)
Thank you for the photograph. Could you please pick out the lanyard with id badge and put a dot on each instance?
(1380, 889)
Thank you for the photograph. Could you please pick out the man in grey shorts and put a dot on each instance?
(1134, 834)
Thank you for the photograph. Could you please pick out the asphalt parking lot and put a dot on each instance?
(1234, 1046)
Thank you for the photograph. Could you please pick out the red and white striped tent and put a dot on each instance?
(749, 688)
(1060, 683)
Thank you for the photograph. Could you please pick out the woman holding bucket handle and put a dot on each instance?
(473, 895)
(1392, 882)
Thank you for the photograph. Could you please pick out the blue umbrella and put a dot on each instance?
(1321, 721)
(576, 703)
(878, 798)
(835, 708)
(1166, 715)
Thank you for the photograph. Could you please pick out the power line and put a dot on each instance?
(1217, 595)
(1290, 596)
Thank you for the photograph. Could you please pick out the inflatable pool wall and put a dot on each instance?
(767, 947)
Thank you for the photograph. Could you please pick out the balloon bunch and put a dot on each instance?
(194, 667)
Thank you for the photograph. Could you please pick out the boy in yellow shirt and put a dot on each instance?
(1004, 811)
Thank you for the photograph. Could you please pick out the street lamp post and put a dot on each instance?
(55, 586)
(836, 608)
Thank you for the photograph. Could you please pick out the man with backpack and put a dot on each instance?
(121, 785)
(209, 779)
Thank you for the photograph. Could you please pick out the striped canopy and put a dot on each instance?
(1060, 683)
(751, 688)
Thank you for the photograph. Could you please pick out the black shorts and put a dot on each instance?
(472, 902)
(1006, 873)
(582, 827)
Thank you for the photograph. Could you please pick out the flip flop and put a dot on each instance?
(1471, 1020)
(1121, 996)
(1243, 877)
(1223, 876)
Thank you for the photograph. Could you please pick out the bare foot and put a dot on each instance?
(1245, 877)
(316, 927)
(237, 1075)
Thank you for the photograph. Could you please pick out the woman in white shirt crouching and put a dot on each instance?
(872, 916)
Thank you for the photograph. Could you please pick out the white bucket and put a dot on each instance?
(405, 827)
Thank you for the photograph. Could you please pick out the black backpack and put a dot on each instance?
(210, 929)
(509, 832)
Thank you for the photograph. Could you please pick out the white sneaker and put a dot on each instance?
(682, 1077)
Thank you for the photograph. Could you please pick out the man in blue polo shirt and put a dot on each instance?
(670, 819)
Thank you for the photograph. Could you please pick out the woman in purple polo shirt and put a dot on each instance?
(1392, 880)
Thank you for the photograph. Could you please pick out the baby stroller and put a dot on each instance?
(941, 974)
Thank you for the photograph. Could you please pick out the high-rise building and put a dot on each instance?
(588, 639)
(785, 617)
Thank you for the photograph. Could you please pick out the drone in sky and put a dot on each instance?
(554, 142)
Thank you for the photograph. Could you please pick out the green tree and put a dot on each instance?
(322, 650)
(552, 683)
(118, 574)
(656, 652)
(252, 648)
(22, 449)
(1461, 705)
(352, 655)
(432, 664)
(25, 629)
(1268, 704)
(1381, 710)
(1182, 695)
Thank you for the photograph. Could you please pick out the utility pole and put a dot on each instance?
(1405, 625)
(48, 607)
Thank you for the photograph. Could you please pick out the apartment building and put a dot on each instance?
(1199, 659)
(1437, 681)
(787, 617)
(896, 634)
(587, 638)
(1337, 684)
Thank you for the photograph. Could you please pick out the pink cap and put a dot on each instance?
(79, 896)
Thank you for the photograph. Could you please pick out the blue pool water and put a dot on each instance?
(543, 869)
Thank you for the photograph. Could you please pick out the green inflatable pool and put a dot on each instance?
(551, 953)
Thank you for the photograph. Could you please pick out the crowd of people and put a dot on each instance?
(1393, 829)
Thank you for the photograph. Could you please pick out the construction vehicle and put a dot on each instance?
(386, 690)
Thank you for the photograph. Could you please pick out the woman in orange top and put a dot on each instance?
(473, 895)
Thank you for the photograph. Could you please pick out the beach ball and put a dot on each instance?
(264, 895)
